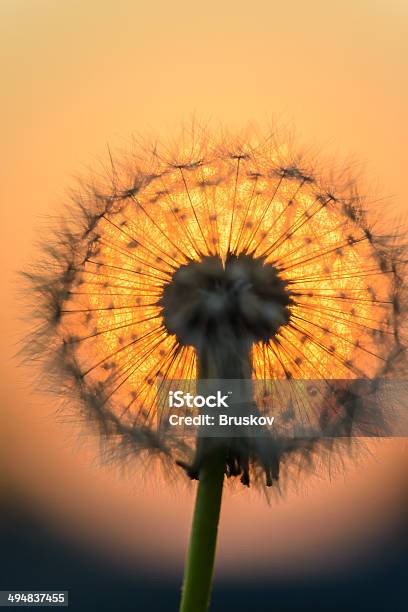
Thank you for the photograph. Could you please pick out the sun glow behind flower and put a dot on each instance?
(221, 200)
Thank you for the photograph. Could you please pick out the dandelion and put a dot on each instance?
(225, 258)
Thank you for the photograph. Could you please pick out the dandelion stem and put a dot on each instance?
(201, 553)
(223, 356)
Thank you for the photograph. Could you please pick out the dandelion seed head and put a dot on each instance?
(217, 232)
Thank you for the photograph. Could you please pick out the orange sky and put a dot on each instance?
(79, 75)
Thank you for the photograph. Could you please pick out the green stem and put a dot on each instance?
(199, 565)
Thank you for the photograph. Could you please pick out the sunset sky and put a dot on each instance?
(78, 77)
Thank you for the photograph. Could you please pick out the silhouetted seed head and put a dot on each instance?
(231, 237)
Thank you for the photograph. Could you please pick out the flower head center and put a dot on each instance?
(245, 297)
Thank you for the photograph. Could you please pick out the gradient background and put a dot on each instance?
(79, 75)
